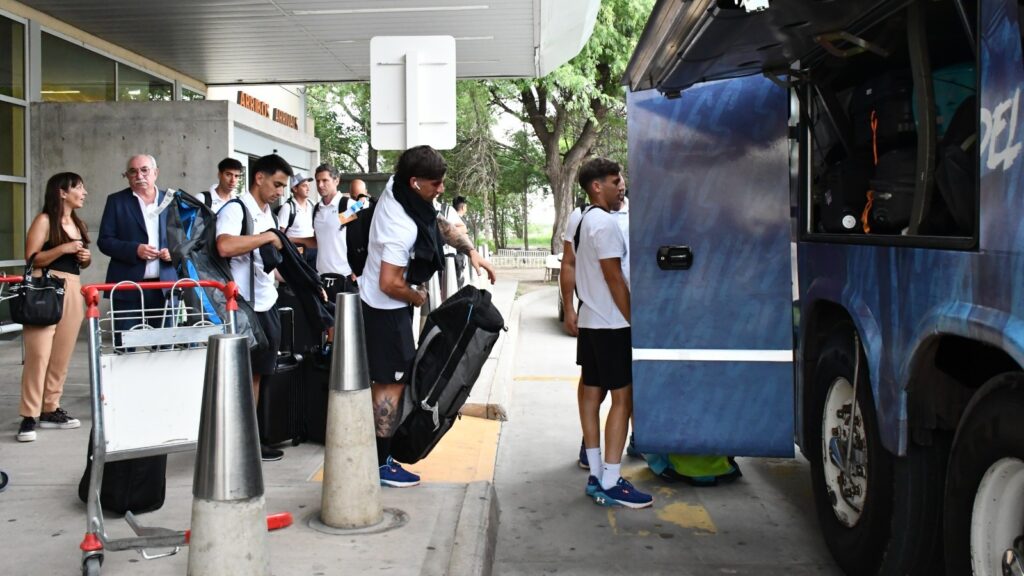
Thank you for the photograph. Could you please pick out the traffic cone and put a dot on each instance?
(229, 526)
(351, 487)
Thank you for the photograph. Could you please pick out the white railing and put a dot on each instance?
(509, 258)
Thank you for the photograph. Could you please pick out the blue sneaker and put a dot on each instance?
(623, 494)
(592, 486)
(392, 474)
(583, 463)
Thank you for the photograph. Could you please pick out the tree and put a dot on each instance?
(570, 108)
(341, 114)
(472, 164)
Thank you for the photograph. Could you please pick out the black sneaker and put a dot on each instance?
(27, 430)
(270, 454)
(58, 419)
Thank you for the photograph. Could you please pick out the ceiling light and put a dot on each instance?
(60, 92)
(474, 37)
(333, 11)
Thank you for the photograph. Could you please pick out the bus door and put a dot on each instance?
(711, 277)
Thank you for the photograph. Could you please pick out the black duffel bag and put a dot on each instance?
(454, 345)
(38, 300)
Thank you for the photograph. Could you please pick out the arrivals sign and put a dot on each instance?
(260, 107)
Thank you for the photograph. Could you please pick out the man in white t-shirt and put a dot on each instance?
(229, 172)
(604, 344)
(454, 215)
(269, 179)
(331, 236)
(393, 281)
(295, 217)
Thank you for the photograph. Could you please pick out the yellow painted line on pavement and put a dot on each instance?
(572, 379)
(690, 516)
(465, 454)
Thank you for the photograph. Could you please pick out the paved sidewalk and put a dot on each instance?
(452, 515)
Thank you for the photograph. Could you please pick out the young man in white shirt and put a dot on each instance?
(298, 227)
(604, 344)
(229, 172)
(453, 214)
(331, 236)
(405, 242)
(269, 179)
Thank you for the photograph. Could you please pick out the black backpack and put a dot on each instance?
(192, 236)
(454, 345)
(293, 207)
(357, 237)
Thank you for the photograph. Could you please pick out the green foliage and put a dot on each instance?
(341, 114)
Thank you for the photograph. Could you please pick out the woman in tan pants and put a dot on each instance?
(59, 241)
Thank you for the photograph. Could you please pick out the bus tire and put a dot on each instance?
(984, 508)
(904, 493)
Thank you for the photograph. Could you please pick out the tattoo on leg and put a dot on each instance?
(385, 417)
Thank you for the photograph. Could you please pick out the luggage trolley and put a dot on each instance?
(146, 385)
(4, 280)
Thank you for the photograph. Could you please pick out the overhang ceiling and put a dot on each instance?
(303, 41)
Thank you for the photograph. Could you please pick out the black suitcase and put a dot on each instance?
(137, 485)
(277, 410)
(844, 192)
(893, 191)
(887, 97)
(315, 387)
(304, 339)
(453, 347)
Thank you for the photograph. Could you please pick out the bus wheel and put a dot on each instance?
(851, 471)
(984, 508)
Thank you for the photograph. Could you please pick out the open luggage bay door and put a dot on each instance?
(711, 281)
(711, 241)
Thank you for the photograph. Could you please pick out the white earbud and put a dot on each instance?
(416, 185)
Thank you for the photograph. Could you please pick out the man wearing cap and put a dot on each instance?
(295, 218)
(332, 248)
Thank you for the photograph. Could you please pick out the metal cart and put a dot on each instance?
(146, 385)
(4, 281)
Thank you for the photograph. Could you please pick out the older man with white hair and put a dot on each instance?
(133, 232)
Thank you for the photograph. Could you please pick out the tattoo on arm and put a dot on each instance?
(458, 240)
(385, 417)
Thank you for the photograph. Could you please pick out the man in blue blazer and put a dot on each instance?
(133, 232)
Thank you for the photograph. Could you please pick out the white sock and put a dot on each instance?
(610, 475)
(594, 459)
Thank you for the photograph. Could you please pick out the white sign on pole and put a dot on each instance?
(412, 92)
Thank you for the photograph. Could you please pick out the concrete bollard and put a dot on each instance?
(229, 525)
(451, 280)
(351, 488)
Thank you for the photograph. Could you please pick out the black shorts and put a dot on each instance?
(265, 361)
(390, 348)
(606, 356)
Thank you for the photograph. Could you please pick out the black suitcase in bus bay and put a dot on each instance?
(278, 412)
(893, 191)
(882, 113)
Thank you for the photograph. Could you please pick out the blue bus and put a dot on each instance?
(827, 246)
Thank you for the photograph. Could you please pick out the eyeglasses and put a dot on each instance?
(132, 172)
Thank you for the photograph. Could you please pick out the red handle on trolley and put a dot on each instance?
(92, 291)
(11, 279)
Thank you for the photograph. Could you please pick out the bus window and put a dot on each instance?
(872, 174)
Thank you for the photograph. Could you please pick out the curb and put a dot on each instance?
(476, 533)
(497, 405)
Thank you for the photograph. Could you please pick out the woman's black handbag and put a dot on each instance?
(38, 300)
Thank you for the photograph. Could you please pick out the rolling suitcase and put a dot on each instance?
(277, 412)
(315, 382)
